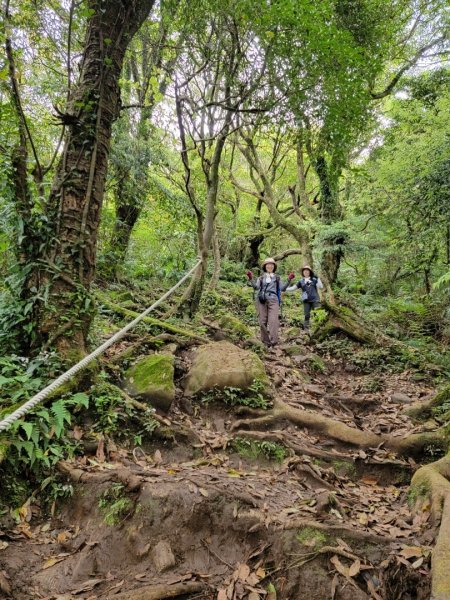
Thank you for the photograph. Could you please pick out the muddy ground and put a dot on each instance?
(200, 516)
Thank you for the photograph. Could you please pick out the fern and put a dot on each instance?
(62, 415)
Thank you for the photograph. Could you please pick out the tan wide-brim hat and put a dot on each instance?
(268, 261)
(307, 267)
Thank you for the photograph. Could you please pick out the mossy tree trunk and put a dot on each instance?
(66, 264)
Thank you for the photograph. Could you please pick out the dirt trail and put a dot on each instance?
(215, 519)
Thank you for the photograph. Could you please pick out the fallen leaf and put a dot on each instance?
(77, 432)
(4, 583)
(242, 572)
(3, 545)
(334, 560)
(355, 568)
(87, 586)
(222, 595)
(418, 563)
(368, 480)
(334, 584)
(157, 457)
(54, 560)
(203, 492)
(411, 551)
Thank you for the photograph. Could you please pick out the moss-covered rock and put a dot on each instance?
(151, 379)
(295, 350)
(221, 365)
(236, 328)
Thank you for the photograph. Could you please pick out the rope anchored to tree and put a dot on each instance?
(38, 398)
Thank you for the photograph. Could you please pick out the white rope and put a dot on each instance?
(35, 400)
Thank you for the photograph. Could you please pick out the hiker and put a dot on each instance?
(268, 299)
(309, 284)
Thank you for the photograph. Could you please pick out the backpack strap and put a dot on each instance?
(277, 279)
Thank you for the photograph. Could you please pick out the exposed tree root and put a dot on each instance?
(440, 403)
(154, 342)
(125, 476)
(292, 443)
(431, 484)
(150, 320)
(159, 592)
(341, 530)
(411, 445)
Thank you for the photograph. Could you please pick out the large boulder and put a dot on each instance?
(220, 365)
(151, 379)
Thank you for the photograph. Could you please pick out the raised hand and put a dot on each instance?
(249, 275)
(291, 276)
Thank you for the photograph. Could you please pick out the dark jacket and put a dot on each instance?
(310, 288)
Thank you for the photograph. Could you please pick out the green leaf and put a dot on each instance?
(28, 428)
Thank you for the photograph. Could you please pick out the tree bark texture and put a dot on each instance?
(67, 265)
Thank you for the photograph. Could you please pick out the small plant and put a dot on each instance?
(371, 385)
(41, 441)
(312, 537)
(115, 505)
(254, 449)
(232, 396)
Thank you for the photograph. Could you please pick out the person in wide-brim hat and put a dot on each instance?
(268, 289)
(309, 285)
(269, 261)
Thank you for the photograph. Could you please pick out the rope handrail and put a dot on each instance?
(39, 397)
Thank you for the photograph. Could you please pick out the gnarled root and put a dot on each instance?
(431, 484)
(159, 592)
(411, 445)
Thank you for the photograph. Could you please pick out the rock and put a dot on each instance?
(235, 327)
(163, 556)
(151, 379)
(294, 332)
(220, 365)
(295, 350)
(400, 398)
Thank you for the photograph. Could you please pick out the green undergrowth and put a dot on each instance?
(309, 536)
(255, 449)
(115, 505)
(252, 396)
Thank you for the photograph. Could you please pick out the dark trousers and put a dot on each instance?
(308, 307)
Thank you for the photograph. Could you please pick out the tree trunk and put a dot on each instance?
(75, 202)
(126, 216)
(217, 260)
(330, 212)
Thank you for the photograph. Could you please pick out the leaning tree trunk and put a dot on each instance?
(67, 265)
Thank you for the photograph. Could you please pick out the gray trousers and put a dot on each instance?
(269, 323)
(308, 307)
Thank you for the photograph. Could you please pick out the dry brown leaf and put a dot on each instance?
(4, 583)
(157, 457)
(411, 551)
(334, 560)
(77, 432)
(3, 545)
(242, 572)
(87, 586)
(418, 563)
(100, 453)
(203, 492)
(355, 568)
(334, 584)
(222, 595)
(54, 560)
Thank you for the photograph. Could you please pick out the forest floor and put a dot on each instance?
(210, 510)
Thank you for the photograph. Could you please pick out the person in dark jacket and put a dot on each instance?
(309, 285)
(268, 289)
